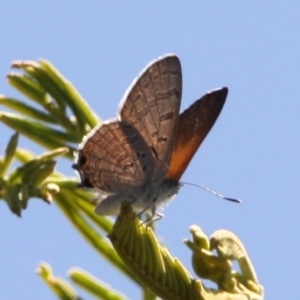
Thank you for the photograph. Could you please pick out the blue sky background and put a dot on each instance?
(252, 152)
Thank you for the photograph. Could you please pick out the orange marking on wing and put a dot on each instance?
(193, 126)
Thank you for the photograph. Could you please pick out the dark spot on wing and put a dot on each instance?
(166, 116)
(82, 160)
(162, 139)
(140, 154)
(86, 183)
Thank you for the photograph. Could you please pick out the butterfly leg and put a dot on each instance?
(155, 216)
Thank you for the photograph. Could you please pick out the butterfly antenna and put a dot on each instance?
(214, 193)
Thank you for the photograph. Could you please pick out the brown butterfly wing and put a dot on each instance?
(115, 158)
(152, 105)
(193, 126)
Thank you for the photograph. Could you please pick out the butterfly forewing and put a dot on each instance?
(193, 125)
(152, 104)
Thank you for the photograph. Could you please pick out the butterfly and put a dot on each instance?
(140, 156)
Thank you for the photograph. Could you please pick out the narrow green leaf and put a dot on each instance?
(62, 91)
(59, 286)
(40, 174)
(56, 107)
(89, 233)
(52, 154)
(24, 155)
(84, 204)
(13, 199)
(29, 87)
(1, 163)
(9, 154)
(35, 71)
(37, 169)
(23, 173)
(32, 89)
(94, 286)
(27, 110)
(79, 106)
(33, 129)
(43, 135)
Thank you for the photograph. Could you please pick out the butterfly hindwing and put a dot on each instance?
(115, 159)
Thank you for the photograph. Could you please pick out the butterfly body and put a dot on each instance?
(143, 198)
(140, 156)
